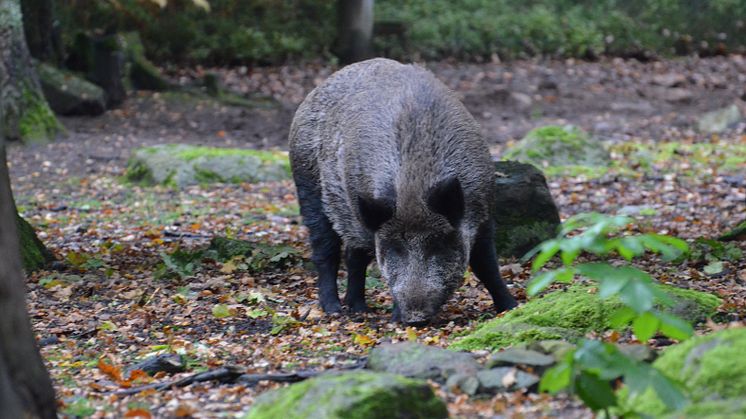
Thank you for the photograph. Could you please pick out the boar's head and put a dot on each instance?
(420, 248)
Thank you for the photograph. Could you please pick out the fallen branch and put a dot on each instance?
(234, 374)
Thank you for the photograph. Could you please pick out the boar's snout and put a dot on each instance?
(418, 309)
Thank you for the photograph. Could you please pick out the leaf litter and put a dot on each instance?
(140, 281)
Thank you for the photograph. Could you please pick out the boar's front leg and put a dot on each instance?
(357, 261)
(326, 246)
(483, 262)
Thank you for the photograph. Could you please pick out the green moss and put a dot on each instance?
(570, 314)
(207, 176)
(589, 172)
(710, 367)
(34, 255)
(138, 172)
(556, 315)
(37, 123)
(192, 153)
(498, 336)
(356, 395)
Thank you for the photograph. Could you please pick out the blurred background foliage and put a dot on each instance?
(277, 31)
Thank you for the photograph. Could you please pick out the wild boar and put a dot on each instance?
(389, 164)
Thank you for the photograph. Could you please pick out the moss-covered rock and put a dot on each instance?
(69, 94)
(570, 314)
(34, 255)
(555, 146)
(710, 367)
(355, 395)
(181, 165)
(525, 213)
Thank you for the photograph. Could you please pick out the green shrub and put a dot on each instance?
(273, 31)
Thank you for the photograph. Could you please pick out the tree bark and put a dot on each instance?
(354, 30)
(42, 30)
(25, 387)
(24, 113)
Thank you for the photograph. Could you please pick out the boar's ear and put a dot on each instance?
(447, 198)
(374, 211)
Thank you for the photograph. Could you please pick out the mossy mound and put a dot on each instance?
(356, 394)
(180, 165)
(555, 146)
(710, 367)
(570, 314)
(34, 255)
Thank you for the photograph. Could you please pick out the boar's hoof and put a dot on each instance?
(357, 306)
(505, 304)
(418, 323)
(331, 307)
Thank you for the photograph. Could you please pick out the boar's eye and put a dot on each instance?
(374, 211)
(447, 199)
(394, 249)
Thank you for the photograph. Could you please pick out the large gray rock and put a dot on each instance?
(180, 165)
(520, 356)
(69, 94)
(419, 361)
(505, 379)
(356, 394)
(525, 212)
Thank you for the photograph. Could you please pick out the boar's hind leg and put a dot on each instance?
(325, 245)
(357, 261)
(483, 263)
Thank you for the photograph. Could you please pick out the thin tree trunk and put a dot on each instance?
(24, 112)
(354, 30)
(25, 388)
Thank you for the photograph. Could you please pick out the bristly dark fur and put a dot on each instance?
(387, 160)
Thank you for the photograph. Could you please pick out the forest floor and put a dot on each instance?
(115, 303)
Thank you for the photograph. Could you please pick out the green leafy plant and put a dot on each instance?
(80, 408)
(591, 369)
(180, 263)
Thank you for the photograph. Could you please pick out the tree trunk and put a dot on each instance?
(25, 388)
(24, 113)
(42, 30)
(354, 30)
